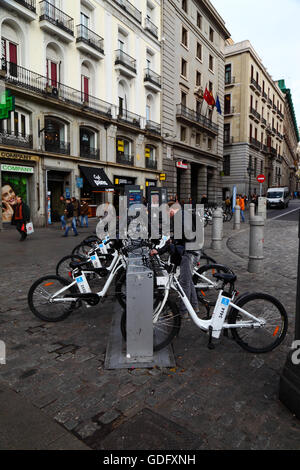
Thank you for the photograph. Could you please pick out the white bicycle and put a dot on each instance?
(257, 321)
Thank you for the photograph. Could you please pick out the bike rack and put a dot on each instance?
(137, 352)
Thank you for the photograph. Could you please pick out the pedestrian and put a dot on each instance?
(241, 203)
(76, 208)
(61, 211)
(84, 213)
(21, 217)
(204, 200)
(228, 205)
(180, 256)
(70, 219)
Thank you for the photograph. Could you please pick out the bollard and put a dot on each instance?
(252, 211)
(237, 218)
(217, 230)
(256, 245)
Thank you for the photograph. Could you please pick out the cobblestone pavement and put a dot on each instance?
(220, 399)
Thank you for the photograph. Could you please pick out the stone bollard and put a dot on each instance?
(256, 245)
(217, 230)
(252, 211)
(237, 218)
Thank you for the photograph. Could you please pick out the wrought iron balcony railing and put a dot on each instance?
(254, 113)
(255, 143)
(130, 9)
(90, 38)
(202, 121)
(152, 77)
(34, 82)
(30, 4)
(89, 153)
(229, 110)
(60, 147)
(16, 139)
(151, 164)
(153, 127)
(124, 59)
(229, 80)
(57, 17)
(130, 118)
(125, 159)
(149, 26)
(228, 140)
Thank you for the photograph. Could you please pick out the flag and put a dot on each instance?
(218, 105)
(208, 96)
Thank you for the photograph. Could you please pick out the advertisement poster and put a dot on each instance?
(13, 185)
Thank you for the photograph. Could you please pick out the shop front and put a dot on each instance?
(95, 186)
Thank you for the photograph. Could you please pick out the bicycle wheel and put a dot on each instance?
(207, 287)
(63, 266)
(165, 329)
(229, 216)
(83, 249)
(263, 307)
(40, 299)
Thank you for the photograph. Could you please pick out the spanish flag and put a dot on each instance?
(208, 96)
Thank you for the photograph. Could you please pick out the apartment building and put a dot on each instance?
(291, 140)
(193, 43)
(254, 115)
(86, 77)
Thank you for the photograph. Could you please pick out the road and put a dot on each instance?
(289, 214)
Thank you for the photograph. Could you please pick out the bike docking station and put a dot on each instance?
(137, 352)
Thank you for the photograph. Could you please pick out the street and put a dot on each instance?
(221, 399)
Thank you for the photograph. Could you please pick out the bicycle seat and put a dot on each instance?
(227, 278)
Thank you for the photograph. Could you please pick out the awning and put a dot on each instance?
(97, 178)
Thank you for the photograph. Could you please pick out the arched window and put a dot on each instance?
(124, 151)
(150, 156)
(87, 81)
(11, 42)
(150, 112)
(89, 143)
(54, 61)
(123, 96)
(56, 136)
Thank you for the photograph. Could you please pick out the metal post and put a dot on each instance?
(289, 386)
(237, 218)
(217, 230)
(256, 246)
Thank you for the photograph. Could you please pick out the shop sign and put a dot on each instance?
(162, 177)
(17, 168)
(17, 156)
(183, 166)
(79, 182)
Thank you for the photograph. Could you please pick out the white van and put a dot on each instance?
(278, 197)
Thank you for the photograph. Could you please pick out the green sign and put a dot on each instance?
(17, 168)
(7, 104)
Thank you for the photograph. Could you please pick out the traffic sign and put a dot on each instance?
(261, 178)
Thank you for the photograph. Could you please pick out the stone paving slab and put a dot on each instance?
(228, 398)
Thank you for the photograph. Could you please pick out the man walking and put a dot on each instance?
(76, 209)
(21, 217)
(84, 212)
(241, 203)
(61, 211)
(69, 215)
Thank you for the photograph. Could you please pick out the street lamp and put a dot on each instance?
(250, 171)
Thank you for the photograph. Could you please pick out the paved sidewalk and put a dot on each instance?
(221, 399)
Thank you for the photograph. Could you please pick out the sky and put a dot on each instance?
(273, 28)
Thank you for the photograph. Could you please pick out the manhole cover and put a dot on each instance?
(148, 431)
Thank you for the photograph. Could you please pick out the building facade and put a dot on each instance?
(291, 140)
(193, 42)
(86, 77)
(254, 114)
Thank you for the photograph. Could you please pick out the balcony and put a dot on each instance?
(129, 118)
(152, 80)
(281, 116)
(16, 139)
(125, 64)
(59, 147)
(25, 8)
(263, 122)
(31, 82)
(255, 143)
(264, 96)
(229, 111)
(149, 26)
(125, 159)
(192, 117)
(269, 103)
(229, 81)
(274, 109)
(228, 140)
(254, 114)
(264, 148)
(89, 153)
(151, 164)
(255, 86)
(55, 21)
(130, 9)
(272, 152)
(89, 42)
(153, 127)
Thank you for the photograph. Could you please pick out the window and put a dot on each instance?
(198, 78)
(261, 167)
(183, 98)
(226, 165)
(226, 133)
(183, 134)
(52, 72)
(199, 51)
(17, 124)
(184, 5)
(227, 104)
(123, 148)
(9, 53)
(209, 144)
(88, 143)
(211, 86)
(255, 167)
(85, 88)
(183, 67)
(227, 74)
(184, 37)
(199, 106)
(211, 34)
(198, 139)
(211, 63)
(199, 20)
